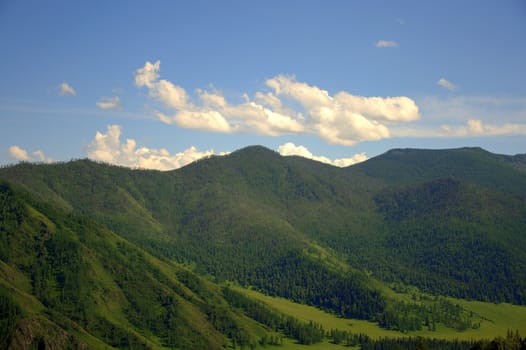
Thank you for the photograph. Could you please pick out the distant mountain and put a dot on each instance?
(407, 166)
(454, 221)
(108, 255)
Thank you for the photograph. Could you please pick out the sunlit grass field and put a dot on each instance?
(496, 320)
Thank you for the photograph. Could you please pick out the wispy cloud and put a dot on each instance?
(476, 127)
(20, 154)
(467, 116)
(110, 103)
(342, 118)
(65, 89)
(461, 108)
(386, 43)
(446, 84)
(290, 149)
(470, 128)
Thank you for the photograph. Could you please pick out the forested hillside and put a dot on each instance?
(68, 282)
(109, 255)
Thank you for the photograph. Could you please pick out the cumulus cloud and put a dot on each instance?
(201, 119)
(446, 84)
(18, 153)
(66, 89)
(344, 118)
(110, 103)
(290, 149)
(340, 119)
(213, 112)
(108, 147)
(386, 43)
(146, 75)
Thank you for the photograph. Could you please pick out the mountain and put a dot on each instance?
(104, 255)
(68, 282)
(454, 219)
(471, 164)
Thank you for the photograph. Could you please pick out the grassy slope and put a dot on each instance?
(499, 319)
(118, 277)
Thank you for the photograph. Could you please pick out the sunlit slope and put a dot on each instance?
(67, 281)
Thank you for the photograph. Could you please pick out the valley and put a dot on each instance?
(412, 243)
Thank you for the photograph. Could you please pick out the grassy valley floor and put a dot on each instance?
(496, 320)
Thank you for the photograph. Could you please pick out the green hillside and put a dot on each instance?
(475, 165)
(109, 256)
(68, 282)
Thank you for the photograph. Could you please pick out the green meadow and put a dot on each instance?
(495, 320)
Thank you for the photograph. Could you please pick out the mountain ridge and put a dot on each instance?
(289, 226)
(465, 162)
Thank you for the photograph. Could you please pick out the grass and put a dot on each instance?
(327, 320)
(497, 319)
(291, 344)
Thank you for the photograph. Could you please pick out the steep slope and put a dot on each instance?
(454, 238)
(254, 203)
(68, 282)
(453, 222)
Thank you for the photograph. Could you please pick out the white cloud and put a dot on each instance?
(397, 109)
(290, 149)
(344, 118)
(169, 94)
(40, 156)
(475, 127)
(340, 119)
(109, 148)
(21, 154)
(201, 119)
(66, 89)
(214, 113)
(386, 43)
(344, 162)
(146, 75)
(18, 153)
(446, 84)
(110, 103)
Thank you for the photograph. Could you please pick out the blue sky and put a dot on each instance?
(157, 84)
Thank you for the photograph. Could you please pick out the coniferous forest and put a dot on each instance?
(96, 256)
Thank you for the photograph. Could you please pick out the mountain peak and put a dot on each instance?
(255, 149)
